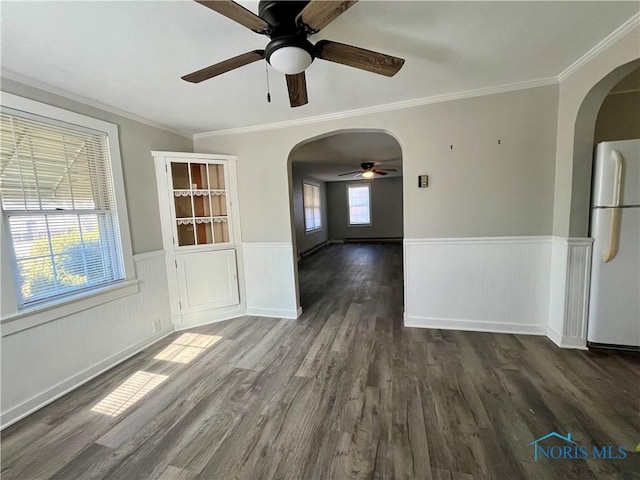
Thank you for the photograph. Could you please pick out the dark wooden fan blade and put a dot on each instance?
(349, 173)
(297, 86)
(379, 172)
(239, 14)
(224, 67)
(320, 13)
(358, 58)
(387, 170)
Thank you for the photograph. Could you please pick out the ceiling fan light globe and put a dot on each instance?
(290, 60)
(367, 174)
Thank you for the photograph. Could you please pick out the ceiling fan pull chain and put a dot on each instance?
(266, 69)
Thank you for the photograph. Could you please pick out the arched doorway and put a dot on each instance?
(581, 93)
(614, 305)
(345, 189)
(583, 147)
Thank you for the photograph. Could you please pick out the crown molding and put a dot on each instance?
(609, 40)
(30, 82)
(600, 47)
(447, 97)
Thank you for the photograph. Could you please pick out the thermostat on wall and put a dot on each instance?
(423, 181)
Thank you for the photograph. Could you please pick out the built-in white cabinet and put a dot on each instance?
(207, 280)
(198, 209)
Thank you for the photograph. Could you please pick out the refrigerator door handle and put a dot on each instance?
(614, 236)
(618, 161)
(616, 213)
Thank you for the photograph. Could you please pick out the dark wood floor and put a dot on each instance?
(345, 392)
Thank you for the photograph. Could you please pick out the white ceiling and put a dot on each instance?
(325, 158)
(131, 55)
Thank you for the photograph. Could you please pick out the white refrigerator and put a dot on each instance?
(614, 302)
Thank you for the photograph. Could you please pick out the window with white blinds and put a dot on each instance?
(59, 205)
(359, 204)
(312, 212)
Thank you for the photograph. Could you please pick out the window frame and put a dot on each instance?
(359, 185)
(307, 230)
(74, 302)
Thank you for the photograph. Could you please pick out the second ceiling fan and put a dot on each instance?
(288, 24)
(368, 171)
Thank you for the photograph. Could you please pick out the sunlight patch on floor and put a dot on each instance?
(187, 347)
(132, 390)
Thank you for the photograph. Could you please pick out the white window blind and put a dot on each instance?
(359, 207)
(312, 212)
(59, 204)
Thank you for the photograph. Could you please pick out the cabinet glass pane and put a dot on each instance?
(221, 232)
(199, 179)
(201, 206)
(204, 233)
(216, 177)
(183, 207)
(219, 205)
(186, 235)
(180, 174)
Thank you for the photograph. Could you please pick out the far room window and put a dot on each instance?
(359, 204)
(59, 205)
(312, 212)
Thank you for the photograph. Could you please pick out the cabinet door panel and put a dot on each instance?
(207, 280)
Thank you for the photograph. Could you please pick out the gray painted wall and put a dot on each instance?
(619, 118)
(136, 142)
(478, 188)
(306, 241)
(580, 97)
(386, 210)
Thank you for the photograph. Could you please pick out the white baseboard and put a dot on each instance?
(576, 343)
(474, 325)
(554, 336)
(566, 342)
(17, 413)
(275, 312)
(208, 317)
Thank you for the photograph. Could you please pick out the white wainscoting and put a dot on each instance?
(498, 284)
(270, 279)
(569, 291)
(42, 363)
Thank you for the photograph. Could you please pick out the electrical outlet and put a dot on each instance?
(156, 326)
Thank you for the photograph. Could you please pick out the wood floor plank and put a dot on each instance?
(169, 472)
(82, 462)
(266, 344)
(320, 347)
(344, 392)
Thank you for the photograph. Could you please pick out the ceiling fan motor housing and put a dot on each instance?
(285, 32)
(367, 165)
(281, 15)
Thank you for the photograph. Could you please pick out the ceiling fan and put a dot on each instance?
(368, 171)
(288, 24)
